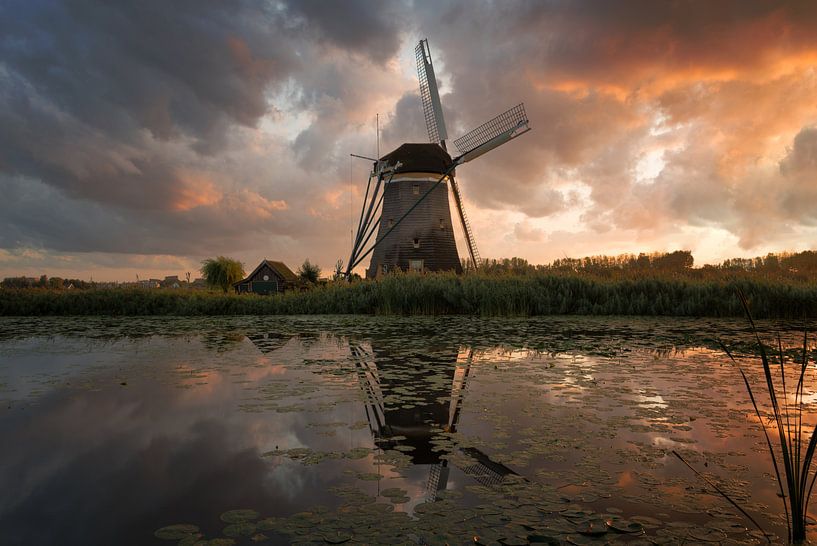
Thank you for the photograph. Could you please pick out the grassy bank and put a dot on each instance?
(525, 295)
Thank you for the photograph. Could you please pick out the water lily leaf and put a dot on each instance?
(592, 528)
(513, 541)
(176, 532)
(242, 529)
(238, 516)
(625, 526)
(393, 492)
(221, 542)
(543, 539)
(268, 524)
(337, 538)
(707, 534)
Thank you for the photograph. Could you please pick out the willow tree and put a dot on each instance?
(222, 272)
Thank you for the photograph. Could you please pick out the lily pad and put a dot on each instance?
(241, 529)
(239, 516)
(543, 539)
(625, 526)
(337, 538)
(176, 532)
(592, 528)
(707, 534)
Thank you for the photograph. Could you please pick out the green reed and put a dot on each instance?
(539, 293)
(796, 480)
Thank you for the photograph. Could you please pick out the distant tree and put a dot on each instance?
(222, 272)
(309, 272)
(338, 272)
(55, 282)
(676, 261)
(16, 282)
(43, 283)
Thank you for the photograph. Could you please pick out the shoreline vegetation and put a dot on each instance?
(660, 284)
(528, 293)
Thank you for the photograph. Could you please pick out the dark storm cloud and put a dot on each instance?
(152, 126)
(370, 28)
(117, 119)
(799, 171)
(122, 66)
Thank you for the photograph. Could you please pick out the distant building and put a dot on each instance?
(171, 281)
(268, 278)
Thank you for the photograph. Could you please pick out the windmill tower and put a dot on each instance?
(406, 201)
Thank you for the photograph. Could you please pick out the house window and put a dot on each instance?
(416, 265)
(416, 242)
(266, 277)
(391, 222)
(415, 189)
(442, 224)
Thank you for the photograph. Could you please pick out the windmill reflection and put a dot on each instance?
(408, 402)
(409, 399)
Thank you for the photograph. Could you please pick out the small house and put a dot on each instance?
(268, 278)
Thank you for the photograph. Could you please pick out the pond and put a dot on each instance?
(382, 430)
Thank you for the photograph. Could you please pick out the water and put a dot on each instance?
(380, 430)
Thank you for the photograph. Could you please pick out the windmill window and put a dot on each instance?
(416, 243)
(391, 222)
(416, 265)
(442, 224)
(384, 268)
(415, 189)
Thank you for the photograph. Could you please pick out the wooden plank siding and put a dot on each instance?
(279, 279)
(425, 234)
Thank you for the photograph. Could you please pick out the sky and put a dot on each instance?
(142, 137)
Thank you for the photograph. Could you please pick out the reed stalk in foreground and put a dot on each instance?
(797, 479)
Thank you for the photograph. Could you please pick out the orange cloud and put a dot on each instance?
(194, 189)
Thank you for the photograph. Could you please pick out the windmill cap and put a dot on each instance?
(419, 158)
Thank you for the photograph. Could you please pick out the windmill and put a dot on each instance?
(406, 200)
(436, 406)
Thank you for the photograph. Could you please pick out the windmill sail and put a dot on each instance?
(432, 108)
(491, 134)
(466, 225)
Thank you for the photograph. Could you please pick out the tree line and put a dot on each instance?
(790, 265)
(44, 281)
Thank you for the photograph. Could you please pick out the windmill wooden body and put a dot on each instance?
(406, 207)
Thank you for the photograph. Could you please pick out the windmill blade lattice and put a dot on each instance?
(429, 94)
(476, 260)
(508, 121)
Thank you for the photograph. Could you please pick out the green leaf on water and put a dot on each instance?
(625, 526)
(176, 532)
(543, 539)
(337, 537)
(239, 516)
(241, 529)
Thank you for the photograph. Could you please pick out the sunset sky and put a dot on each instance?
(141, 137)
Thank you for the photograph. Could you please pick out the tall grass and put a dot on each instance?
(797, 479)
(444, 293)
